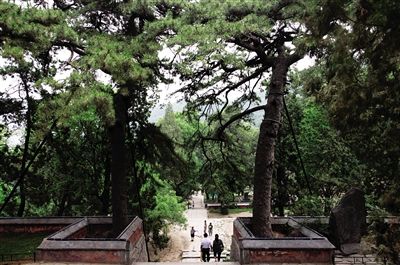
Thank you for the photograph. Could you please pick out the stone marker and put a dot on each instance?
(347, 222)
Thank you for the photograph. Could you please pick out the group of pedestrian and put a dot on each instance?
(217, 246)
(206, 246)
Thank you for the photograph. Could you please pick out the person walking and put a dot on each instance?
(205, 247)
(192, 232)
(205, 226)
(218, 247)
(210, 229)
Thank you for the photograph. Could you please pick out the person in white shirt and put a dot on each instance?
(205, 247)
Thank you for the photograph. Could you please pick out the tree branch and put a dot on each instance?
(236, 117)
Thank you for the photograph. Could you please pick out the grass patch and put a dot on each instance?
(22, 244)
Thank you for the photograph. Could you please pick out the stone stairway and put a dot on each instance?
(188, 263)
(195, 256)
(356, 259)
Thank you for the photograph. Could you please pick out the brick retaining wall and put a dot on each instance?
(70, 244)
(248, 249)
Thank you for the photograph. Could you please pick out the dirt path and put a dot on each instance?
(180, 236)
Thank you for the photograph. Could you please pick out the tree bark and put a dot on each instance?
(62, 205)
(105, 195)
(119, 191)
(22, 204)
(282, 187)
(265, 152)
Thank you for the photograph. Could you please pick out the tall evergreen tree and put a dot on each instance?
(357, 80)
(237, 44)
(102, 37)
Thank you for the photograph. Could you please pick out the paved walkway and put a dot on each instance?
(196, 217)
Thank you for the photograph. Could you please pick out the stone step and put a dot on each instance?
(350, 261)
(199, 260)
(186, 263)
(356, 259)
(197, 254)
(189, 260)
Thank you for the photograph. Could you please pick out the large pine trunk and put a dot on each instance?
(119, 191)
(105, 195)
(265, 153)
(282, 187)
(28, 130)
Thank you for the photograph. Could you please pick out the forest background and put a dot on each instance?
(87, 143)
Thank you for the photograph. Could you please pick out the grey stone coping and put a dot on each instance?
(287, 243)
(82, 222)
(99, 220)
(312, 239)
(55, 220)
(38, 220)
(325, 219)
(242, 222)
(69, 230)
(67, 245)
(136, 222)
(60, 241)
(65, 263)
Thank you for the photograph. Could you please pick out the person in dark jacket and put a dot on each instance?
(192, 232)
(218, 247)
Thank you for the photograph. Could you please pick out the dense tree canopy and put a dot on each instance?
(104, 40)
(357, 80)
(79, 81)
(237, 44)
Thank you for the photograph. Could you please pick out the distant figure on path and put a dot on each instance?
(205, 247)
(205, 226)
(218, 247)
(192, 232)
(210, 229)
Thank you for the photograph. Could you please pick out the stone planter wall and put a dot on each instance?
(137, 245)
(70, 244)
(311, 248)
(35, 224)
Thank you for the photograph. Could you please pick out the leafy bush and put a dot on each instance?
(162, 208)
(308, 205)
(386, 237)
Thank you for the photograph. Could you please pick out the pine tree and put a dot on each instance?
(237, 44)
